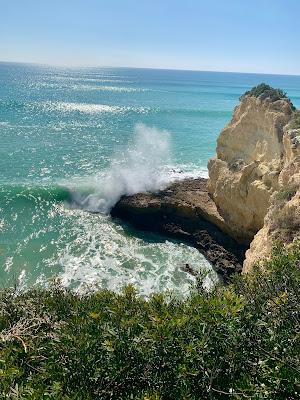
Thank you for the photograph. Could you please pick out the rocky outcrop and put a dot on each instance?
(245, 171)
(254, 177)
(185, 211)
(252, 196)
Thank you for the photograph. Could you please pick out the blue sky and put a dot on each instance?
(217, 35)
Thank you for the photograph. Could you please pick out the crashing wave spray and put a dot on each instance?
(138, 170)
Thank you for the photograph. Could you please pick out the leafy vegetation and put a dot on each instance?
(241, 341)
(285, 194)
(283, 216)
(295, 120)
(264, 91)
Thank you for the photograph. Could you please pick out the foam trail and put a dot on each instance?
(138, 169)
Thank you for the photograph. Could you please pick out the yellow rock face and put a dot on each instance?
(282, 220)
(256, 158)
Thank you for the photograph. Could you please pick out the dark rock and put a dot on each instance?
(185, 211)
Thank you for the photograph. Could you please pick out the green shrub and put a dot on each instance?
(264, 91)
(295, 121)
(283, 217)
(285, 194)
(240, 341)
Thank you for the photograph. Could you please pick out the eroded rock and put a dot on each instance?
(257, 161)
(253, 138)
(185, 211)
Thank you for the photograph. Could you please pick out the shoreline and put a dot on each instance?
(185, 211)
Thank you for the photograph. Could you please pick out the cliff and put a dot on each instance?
(254, 178)
(252, 196)
(282, 220)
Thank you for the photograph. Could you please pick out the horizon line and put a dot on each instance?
(147, 68)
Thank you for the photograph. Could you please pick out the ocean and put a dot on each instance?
(73, 141)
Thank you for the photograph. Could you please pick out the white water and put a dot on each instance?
(102, 254)
(138, 168)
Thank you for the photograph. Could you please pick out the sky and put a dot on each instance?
(214, 35)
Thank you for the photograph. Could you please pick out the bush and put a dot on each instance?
(264, 91)
(295, 121)
(286, 223)
(239, 341)
(283, 217)
(285, 194)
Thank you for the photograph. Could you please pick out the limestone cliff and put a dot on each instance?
(258, 158)
(252, 196)
(282, 221)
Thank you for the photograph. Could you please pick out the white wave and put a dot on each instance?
(137, 169)
(86, 107)
(185, 171)
(21, 281)
(104, 255)
(90, 108)
(89, 251)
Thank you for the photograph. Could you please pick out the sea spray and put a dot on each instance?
(139, 168)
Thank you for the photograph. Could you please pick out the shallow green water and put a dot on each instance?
(74, 141)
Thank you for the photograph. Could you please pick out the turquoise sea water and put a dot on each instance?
(72, 141)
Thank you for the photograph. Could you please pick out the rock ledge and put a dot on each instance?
(185, 211)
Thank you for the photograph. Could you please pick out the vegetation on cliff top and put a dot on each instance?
(264, 91)
(240, 341)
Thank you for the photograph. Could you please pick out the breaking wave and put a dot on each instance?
(139, 168)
